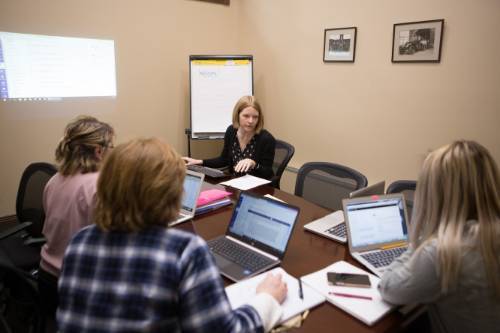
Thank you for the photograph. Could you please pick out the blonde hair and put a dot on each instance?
(459, 182)
(76, 150)
(243, 103)
(140, 184)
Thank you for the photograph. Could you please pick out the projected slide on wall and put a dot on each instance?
(38, 67)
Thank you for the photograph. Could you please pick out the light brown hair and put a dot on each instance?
(76, 151)
(458, 183)
(140, 184)
(243, 103)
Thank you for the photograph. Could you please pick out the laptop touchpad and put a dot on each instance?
(221, 262)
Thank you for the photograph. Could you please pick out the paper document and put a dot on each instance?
(239, 294)
(368, 311)
(273, 197)
(246, 182)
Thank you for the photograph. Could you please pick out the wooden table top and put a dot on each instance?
(306, 253)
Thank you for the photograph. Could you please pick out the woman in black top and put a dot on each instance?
(248, 147)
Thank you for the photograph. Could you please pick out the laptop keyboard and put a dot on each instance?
(239, 254)
(210, 172)
(383, 258)
(339, 230)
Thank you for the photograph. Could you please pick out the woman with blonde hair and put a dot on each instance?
(248, 147)
(453, 263)
(68, 196)
(129, 272)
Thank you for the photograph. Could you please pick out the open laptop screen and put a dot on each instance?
(191, 192)
(263, 221)
(376, 222)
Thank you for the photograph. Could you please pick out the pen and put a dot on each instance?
(350, 295)
(301, 293)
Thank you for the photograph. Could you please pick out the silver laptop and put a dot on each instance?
(377, 229)
(256, 238)
(192, 187)
(332, 225)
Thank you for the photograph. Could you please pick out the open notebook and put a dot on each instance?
(239, 294)
(368, 311)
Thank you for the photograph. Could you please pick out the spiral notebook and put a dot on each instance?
(239, 294)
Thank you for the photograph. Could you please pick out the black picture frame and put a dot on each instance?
(339, 44)
(417, 41)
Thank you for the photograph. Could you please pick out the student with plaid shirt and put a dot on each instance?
(130, 273)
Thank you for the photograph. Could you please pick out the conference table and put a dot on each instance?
(306, 253)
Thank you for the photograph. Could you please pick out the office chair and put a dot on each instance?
(20, 307)
(407, 187)
(283, 153)
(326, 184)
(21, 243)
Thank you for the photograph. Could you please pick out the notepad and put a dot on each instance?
(213, 206)
(239, 294)
(368, 311)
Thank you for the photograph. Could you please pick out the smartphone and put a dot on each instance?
(349, 280)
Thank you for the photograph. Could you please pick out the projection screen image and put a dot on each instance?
(39, 67)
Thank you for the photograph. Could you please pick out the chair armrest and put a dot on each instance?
(35, 241)
(14, 230)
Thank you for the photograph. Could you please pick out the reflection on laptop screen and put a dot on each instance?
(190, 192)
(380, 221)
(266, 221)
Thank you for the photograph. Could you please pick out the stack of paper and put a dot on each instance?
(354, 301)
(239, 293)
(212, 206)
(246, 182)
(212, 199)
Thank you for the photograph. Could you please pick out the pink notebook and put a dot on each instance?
(212, 195)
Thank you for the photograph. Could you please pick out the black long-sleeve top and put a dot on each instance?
(260, 149)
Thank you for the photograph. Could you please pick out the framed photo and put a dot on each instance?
(339, 45)
(417, 41)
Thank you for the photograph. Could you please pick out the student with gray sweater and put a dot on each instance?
(453, 263)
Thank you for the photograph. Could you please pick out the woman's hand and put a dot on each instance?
(191, 161)
(274, 286)
(244, 165)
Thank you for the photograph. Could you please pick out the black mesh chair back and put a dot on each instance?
(21, 243)
(326, 184)
(29, 204)
(283, 153)
(20, 307)
(407, 188)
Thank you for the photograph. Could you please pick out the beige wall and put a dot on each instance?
(153, 40)
(375, 116)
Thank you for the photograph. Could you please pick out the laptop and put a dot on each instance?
(256, 238)
(192, 186)
(332, 225)
(209, 172)
(377, 229)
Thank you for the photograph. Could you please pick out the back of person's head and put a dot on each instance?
(140, 184)
(458, 183)
(80, 149)
(243, 103)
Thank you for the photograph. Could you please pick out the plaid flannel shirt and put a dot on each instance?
(156, 280)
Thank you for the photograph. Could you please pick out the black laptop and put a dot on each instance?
(256, 238)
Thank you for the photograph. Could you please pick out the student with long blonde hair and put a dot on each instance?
(129, 272)
(453, 263)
